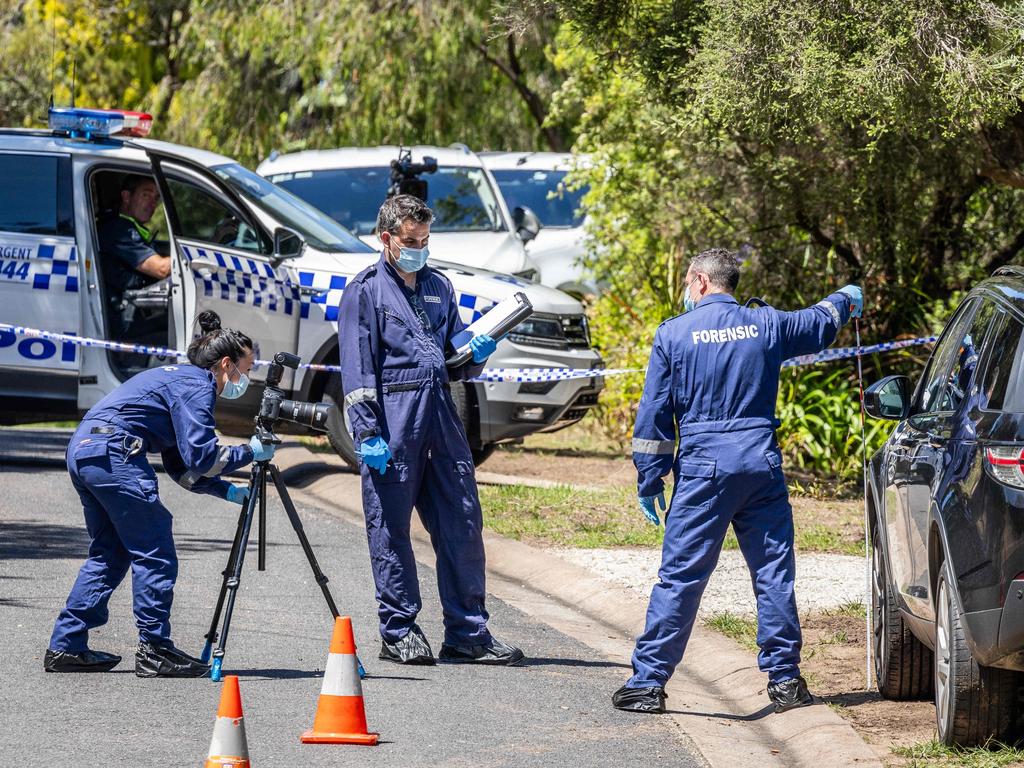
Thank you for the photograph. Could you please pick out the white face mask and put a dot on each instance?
(689, 303)
(235, 389)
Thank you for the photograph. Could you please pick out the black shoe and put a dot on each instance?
(411, 649)
(789, 694)
(492, 652)
(640, 700)
(84, 661)
(167, 661)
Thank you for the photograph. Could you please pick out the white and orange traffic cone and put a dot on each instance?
(340, 716)
(228, 748)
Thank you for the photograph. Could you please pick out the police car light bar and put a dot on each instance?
(99, 123)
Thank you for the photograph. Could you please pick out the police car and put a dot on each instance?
(536, 181)
(267, 262)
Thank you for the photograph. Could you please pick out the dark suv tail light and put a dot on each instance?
(1006, 464)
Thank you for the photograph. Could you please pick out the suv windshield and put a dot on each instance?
(320, 231)
(461, 197)
(543, 192)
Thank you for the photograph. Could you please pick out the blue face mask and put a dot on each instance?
(688, 303)
(412, 259)
(235, 389)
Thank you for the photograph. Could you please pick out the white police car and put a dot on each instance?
(268, 263)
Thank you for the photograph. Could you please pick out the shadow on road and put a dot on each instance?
(31, 540)
(852, 698)
(759, 715)
(544, 662)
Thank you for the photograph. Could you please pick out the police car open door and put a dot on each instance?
(227, 260)
(39, 286)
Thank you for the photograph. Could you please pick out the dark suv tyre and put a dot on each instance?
(903, 664)
(973, 704)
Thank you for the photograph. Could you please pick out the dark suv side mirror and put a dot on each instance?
(287, 243)
(888, 398)
(526, 223)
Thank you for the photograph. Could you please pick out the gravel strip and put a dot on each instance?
(823, 581)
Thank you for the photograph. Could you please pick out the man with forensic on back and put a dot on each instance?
(712, 380)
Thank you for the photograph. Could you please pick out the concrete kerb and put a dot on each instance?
(717, 696)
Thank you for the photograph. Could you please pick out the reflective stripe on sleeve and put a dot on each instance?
(361, 395)
(223, 457)
(833, 309)
(188, 479)
(657, 447)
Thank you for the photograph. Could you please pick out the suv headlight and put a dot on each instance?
(529, 274)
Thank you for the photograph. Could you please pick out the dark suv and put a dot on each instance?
(947, 522)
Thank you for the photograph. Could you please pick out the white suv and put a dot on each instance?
(535, 181)
(264, 260)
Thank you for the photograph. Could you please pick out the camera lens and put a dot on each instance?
(308, 414)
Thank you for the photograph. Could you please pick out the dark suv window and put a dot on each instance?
(1003, 388)
(35, 196)
(952, 366)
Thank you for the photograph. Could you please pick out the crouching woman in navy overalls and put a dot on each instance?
(166, 410)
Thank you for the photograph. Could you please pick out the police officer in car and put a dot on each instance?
(711, 387)
(130, 259)
(397, 321)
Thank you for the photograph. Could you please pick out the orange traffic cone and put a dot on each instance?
(340, 717)
(228, 748)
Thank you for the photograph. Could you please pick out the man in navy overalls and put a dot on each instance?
(396, 323)
(712, 380)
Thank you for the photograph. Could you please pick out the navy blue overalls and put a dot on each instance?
(396, 385)
(714, 377)
(166, 410)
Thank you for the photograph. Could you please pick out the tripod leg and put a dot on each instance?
(234, 577)
(293, 516)
(300, 532)
(211, 635)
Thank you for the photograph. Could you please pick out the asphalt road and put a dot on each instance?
(553, 710)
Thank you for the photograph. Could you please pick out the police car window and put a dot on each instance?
(206, 218)
(30, 195)
(462, 198)
(543, 192)
(1003, 386)
(319, 230)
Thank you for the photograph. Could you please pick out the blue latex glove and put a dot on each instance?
(237, 494)
(647, 506)
(375, 453)
(856, 299)
(261, 452)
(483, 346)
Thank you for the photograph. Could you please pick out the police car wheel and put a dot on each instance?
(337, 434)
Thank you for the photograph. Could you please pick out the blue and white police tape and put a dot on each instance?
(519, 375)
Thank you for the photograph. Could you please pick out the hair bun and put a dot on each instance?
(208, 321)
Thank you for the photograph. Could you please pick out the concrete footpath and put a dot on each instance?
(717, 695)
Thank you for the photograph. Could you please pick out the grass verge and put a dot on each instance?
(739, 628)
(934, 754)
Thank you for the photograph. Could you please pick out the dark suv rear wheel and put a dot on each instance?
(972, 703)
(903, 664)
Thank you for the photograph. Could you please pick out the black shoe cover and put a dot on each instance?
(789, 694)
(640, 700)
(84, 661)
(492, 652)
(411, 649)
(167, 661)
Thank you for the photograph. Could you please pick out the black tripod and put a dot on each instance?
(233, 572)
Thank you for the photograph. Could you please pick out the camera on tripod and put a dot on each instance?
(405, 175)
(275, 406)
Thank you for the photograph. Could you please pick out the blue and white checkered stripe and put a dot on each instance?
(472, 308)
(55, 268)
(328, 289)
(244, 280)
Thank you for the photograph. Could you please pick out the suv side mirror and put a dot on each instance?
(287, 243)
(888, 398)
(526, 223)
